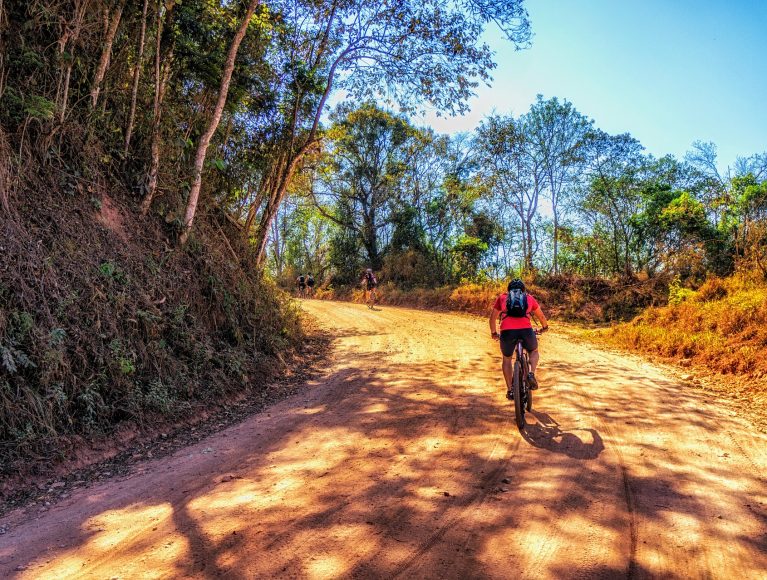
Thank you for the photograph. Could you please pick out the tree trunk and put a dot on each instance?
(265, 189)
(6, 176)
(136, 75)
(270, 210)
(106, 53)
(70, 34)
(529, 248)
(202, 147)
(161, 76)
(556, 240)
(273, 204)
(154, 164)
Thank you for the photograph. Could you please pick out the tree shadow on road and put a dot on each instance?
(385, 469)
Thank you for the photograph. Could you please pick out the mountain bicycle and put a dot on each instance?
(523, 395)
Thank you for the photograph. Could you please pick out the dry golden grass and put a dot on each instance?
(722, 326)
(592, 300)
(470, 298)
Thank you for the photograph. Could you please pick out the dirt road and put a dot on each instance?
(404, 461)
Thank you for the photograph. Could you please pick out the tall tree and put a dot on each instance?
(136, 77)
(202, 146)
(112, 18)
(412, 51)
(163, 67)
(513, 172)
(363, 172)
(557, 133)
(614, 195)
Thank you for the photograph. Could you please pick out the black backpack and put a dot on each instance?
(516, 303)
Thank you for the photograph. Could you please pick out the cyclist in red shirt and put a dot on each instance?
(515, 326)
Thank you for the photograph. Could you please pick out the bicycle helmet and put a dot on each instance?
(517, 284)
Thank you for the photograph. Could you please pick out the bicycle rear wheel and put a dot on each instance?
(519, 404)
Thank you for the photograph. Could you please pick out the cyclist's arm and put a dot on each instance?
(493, 319)
(538, 313)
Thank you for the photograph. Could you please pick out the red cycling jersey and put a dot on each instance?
(510, 322)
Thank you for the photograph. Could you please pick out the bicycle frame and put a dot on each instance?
(524, 362)
(523, 396)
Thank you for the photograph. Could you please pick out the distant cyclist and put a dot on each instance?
(369, 283)
(515, 308)
(301, 284)
(310, 285)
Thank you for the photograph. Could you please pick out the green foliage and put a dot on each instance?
(677, 293)
(14, 359)
(123, 357)
(469, 251)
(40, 108)
(159, 398)
(57, 337)
(111, 272)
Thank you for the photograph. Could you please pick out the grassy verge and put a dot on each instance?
(719, 331)
(722, 326)
(584, 300)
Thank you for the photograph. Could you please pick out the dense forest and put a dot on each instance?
(543, 192)
(166, 165)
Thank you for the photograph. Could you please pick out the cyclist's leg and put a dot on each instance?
(530, 344)
(534, 358)
(507, 342)
(508, 370)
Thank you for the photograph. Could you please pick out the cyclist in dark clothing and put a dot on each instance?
(369, 282)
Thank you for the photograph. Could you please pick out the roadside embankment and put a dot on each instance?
(719, 331)
(570, 298)
(109, 329)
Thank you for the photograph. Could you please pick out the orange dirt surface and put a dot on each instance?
(404, 461)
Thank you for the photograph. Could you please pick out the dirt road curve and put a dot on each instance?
(404, 461)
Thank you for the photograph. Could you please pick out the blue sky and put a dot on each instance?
(667, 71)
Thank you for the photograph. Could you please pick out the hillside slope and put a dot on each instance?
(105, 323)
(720, 329)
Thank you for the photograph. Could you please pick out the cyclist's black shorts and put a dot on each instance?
(310, 283)
(509, 337)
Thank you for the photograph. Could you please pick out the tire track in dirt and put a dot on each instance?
(628, 495)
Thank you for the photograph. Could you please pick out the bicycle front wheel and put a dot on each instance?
(519, 404)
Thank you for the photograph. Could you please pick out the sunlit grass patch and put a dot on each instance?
(722, 325)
